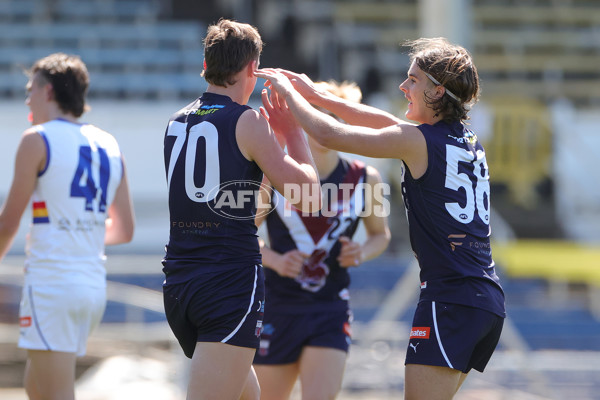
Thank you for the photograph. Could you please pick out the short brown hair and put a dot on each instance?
(452, 66)
(228, 47)
(69, 78)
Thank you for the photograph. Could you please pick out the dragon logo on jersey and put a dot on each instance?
(314, 271)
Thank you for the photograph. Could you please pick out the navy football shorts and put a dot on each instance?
(284, 335)
(452, 335)
(225, 307)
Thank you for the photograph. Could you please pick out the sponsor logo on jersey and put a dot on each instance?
(205, 110)
(424, 285)
(468, 137)
(40, 213)
(25, 322)
(419, 332)
(455, 237)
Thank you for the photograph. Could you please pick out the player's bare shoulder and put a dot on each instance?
(251, 130)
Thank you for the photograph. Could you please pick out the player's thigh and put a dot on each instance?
(427, 382)
(321, 372)
(51, 373)
(219, 371)
(251, 387)
(276, 380)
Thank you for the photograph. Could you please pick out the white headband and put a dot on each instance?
(455, 97)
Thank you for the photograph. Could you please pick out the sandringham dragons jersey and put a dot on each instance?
(212, 189)
(70, 203)
(448, 211)
(323, 284)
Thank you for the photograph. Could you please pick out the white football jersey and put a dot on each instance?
(70, 204)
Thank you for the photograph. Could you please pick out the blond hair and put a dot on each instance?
(346, 89)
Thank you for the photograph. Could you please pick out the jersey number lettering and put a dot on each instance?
(477, 197)
(339, 225)
(212, 175)
(86, 184)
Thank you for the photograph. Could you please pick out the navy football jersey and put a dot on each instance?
(212, 189)
(323, 284)
(448, 211)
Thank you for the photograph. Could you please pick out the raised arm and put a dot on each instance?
(352, 112)
(403, 141)
(293, 174)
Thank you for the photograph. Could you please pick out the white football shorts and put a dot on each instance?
(59, 317)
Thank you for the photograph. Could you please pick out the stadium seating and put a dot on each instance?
(129, 52)
(538, 49)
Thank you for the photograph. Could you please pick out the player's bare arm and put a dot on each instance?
(120, 223)
(352, 112)
(30, 159)
(257, 142)
(402, 141)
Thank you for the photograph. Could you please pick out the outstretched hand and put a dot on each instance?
(279, 116)
(302, 83)
(284, 81)
(275, 80)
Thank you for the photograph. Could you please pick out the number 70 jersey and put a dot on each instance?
(70, 203)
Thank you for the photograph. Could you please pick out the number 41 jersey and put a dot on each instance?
(70, 203)
(448, 211)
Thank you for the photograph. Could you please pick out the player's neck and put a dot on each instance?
(53, 112)
(240, 91)
(326, 162)
(223, 91)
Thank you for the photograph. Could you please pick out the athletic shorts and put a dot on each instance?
(452, 335)
(284, 335)
(226, 307)
(59, 317)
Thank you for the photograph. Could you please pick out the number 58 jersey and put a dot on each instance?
(70, 203)
(448, 211)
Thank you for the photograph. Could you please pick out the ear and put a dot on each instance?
(49, 92)
(439, 91)
(252, 66)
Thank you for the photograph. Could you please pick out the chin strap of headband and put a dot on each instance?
(455, 97)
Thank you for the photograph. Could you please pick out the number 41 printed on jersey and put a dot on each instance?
(86, 182)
